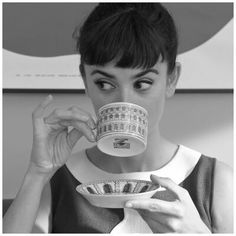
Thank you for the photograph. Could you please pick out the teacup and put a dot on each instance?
(122, 129)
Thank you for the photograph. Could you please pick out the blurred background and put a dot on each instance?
(39, 58)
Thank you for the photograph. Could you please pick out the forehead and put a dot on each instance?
(160, 66)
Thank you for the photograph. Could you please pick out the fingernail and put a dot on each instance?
(91, 125)
(94, 132)
(152, 176)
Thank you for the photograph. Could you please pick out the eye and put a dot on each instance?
(143, 84)
(104, 85)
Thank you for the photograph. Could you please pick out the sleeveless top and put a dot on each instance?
(72, 213)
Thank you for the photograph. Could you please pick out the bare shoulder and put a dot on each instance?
(222, 205)
(43, 220)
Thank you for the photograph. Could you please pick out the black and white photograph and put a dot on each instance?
(117, 117)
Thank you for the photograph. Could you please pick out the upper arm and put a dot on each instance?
(43, 220)
(222, 202)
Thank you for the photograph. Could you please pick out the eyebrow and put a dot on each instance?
(103, 73)
(142, 73)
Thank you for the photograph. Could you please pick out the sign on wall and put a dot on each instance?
(39, 51)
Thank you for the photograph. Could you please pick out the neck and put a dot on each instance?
(158, 153)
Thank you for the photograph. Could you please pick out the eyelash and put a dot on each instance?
(100, 83)
(149, 82)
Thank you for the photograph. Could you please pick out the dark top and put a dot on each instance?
(71, 213)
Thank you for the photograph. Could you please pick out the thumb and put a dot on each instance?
(167, 183)
(162, 181)
(155, 179)
(73, 136)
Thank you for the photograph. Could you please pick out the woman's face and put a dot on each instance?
(147, 88)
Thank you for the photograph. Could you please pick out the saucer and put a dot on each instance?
(115, 193)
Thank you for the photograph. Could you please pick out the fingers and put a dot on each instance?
(77, 118)
(73, 136)
(83, 128)
(39, 111)
(170, 185)
(155, 205)
(72, 114)
(82, 121)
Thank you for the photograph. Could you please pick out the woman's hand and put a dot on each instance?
(52, 140)
(179, 215)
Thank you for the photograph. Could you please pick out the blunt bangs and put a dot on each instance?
(125, 39)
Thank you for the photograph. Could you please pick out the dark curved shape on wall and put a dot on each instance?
(45, 29)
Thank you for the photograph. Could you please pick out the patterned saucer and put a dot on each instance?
(115, 193)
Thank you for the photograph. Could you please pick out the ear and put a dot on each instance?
(172, 80)
(82, 73)
(85, 85)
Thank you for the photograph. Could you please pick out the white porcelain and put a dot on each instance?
(122, 129)
(115, 193)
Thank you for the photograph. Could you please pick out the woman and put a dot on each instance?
(128, 54)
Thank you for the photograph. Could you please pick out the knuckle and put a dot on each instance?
(178, 211)
(181, 212)
(83, 128)
(168, 180)
(87, 118)
(79, 114)
(80, 126)
(76, 110)
(83, 118)
(153, 207)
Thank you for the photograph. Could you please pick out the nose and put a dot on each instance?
(125, 95)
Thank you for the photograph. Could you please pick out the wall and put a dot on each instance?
(200, 121)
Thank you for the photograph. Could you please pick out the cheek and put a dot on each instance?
(94, 96)
(155, 110)
(96, 101)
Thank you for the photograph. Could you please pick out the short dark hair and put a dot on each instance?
(134, 35)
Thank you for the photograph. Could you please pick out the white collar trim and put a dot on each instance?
(180, 166)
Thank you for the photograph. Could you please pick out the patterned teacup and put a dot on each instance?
(122, 129)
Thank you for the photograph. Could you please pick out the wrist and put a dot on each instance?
(32, 184)
(37, 174)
